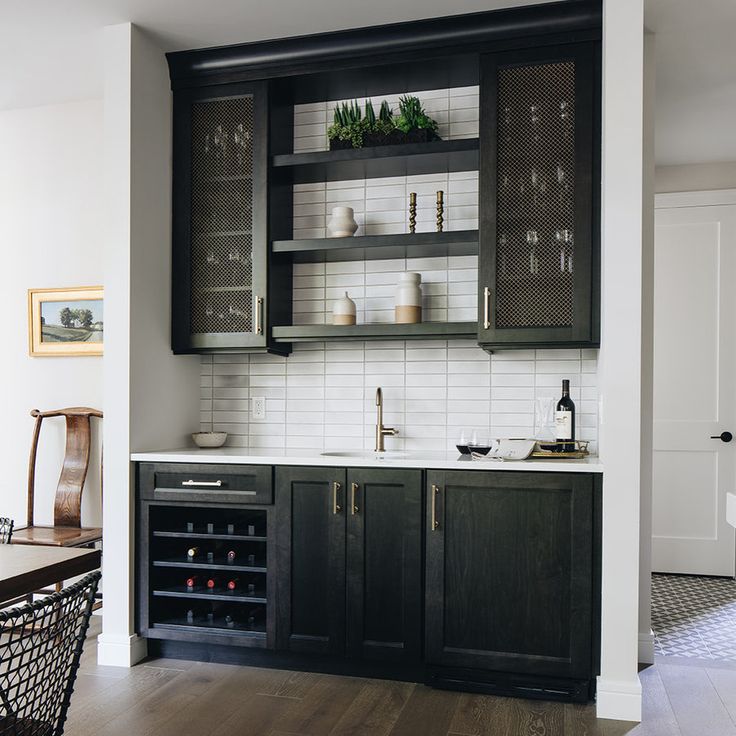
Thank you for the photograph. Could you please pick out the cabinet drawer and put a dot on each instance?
(216, 483)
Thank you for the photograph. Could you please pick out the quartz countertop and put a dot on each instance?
(363, 459)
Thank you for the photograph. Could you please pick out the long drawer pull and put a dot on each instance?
(486, 308)
(336, 508)
(204, 483)
(354, 506)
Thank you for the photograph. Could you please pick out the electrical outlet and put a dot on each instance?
(258, 407)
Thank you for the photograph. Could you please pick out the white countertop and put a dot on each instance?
(433, 461)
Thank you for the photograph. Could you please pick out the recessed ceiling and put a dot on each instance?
(51, 51)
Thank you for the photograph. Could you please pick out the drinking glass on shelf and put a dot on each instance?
(565, 240)
(532, 239)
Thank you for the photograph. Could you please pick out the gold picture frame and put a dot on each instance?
(78, 326)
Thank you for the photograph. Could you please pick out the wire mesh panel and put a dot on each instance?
(40, 647)
(222, 216)
(535, 237)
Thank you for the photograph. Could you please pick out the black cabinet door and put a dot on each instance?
(384, 564)
(220, 209)
(509, 566)
(539, 198)
(310, 542)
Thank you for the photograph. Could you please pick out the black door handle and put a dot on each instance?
(723, 437)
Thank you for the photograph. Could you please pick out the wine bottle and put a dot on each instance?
(229, 622)
(191, 582)
(231, 557)
(193, 552)
(233, 583)
(565, 420)
(211, 583)
(190, 616)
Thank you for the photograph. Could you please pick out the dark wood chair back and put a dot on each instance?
(6, 530)
(68, 499)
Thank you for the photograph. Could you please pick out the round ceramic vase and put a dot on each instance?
(408, 309)
(343, 311)
(342, 223)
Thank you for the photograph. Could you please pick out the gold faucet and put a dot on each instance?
(381, 431)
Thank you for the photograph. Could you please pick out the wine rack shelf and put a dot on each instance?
(207, 611)
(215, 594)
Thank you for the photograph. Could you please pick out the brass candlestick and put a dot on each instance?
(412, 212)
(440, 210)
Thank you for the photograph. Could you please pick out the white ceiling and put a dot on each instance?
(51, 50)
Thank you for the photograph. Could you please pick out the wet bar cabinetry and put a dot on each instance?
(235, 167)
(474, 579)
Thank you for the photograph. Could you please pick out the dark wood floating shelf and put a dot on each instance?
(379, 247)
(215, 536)
(422, 331)
(381, 161)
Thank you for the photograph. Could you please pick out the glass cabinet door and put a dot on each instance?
(537, 198)
(219, 220)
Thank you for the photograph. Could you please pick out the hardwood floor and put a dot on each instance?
(175, 698)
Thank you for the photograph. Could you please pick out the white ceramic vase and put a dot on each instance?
(342, 223)
(343, 311)
(408, 309)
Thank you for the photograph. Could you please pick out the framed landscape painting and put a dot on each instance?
(66, 321)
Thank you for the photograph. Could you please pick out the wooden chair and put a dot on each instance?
(67, 530)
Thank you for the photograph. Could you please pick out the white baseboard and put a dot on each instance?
(619, 699)
(646, 648)
(119, 650)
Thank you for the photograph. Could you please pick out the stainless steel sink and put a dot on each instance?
(369, 454)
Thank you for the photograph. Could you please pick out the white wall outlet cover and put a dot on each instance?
(258, 407)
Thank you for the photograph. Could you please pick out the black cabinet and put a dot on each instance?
(510, 575)
(221, 276)
(350, 562)
(539, 198)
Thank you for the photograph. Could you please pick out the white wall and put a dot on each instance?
(696, 177)
(51, 214)
(620, 377)
(151, 395)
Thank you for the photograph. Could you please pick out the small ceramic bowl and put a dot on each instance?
(209, 439)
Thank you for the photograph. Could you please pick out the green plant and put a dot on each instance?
(412, 116)
(386, 114)
(350, 125)
(370, 114)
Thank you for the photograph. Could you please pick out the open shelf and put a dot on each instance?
(206, 594)
(379, 247)
(380, 161)
(218, 626)
(421, 331)
(204, 535)
(186, 564)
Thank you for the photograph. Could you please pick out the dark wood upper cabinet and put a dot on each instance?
(539, 194)
(510, 571)
(221, 288)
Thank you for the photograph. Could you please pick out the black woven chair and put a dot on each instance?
(40, 647)
(6, 530)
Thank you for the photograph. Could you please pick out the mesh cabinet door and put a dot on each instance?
(219, 220)
(538, 193)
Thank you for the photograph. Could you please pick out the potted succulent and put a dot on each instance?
(352, 128)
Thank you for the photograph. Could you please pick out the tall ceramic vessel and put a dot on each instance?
(342, 223)
(408, 308)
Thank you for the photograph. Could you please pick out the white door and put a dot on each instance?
(694, 388)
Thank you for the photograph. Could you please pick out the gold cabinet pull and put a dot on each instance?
(353, 490)
(336, 508)
(259, 315)
(435, 520)
(486, 308)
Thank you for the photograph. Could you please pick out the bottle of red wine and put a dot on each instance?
(212, 583)
(191, 583)
(565, 420)
(233, 583)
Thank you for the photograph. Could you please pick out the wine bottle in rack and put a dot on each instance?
(191, 583)
(210, 528)
(565, 420)
(210, 557)
(233, 584)
(190, 616)
(193, 553)
(190, 527)
(231, 557)
(229, 622)
(251, 530)
(211, 583)
(231, 528)
(251, 560)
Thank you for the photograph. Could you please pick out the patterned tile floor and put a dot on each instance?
(694, 616)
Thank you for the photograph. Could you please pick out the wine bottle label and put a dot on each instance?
(563, 425)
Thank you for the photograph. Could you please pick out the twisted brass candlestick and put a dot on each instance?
(412, 212)
(440, 210)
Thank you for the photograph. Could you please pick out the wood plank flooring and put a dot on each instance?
(175, 698)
